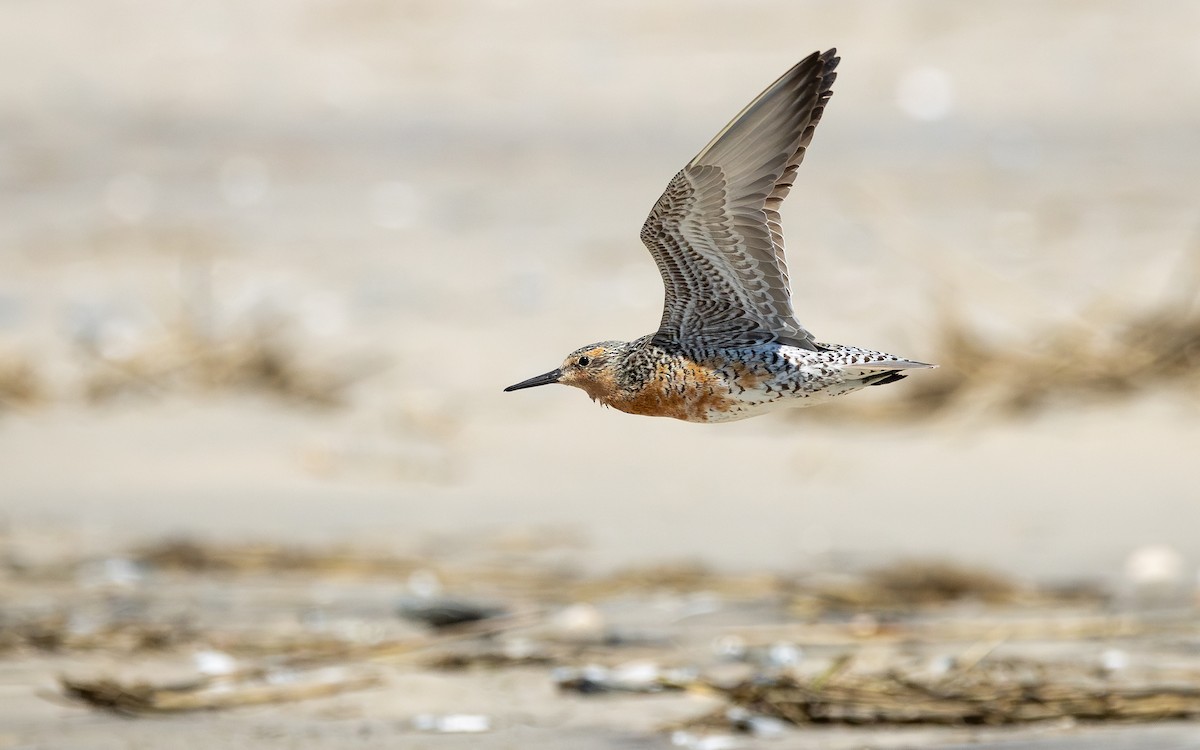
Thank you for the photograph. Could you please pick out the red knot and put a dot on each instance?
(729, 345)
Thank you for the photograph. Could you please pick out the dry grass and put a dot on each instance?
(260, 360)
(210, 693)
(56, 634)
(257, 360)
(1060, 366)
(20, 383)
(1009, 691)
(200, 339)
(189, 556)
(907, 585)
(1119, 352)
(908, 617)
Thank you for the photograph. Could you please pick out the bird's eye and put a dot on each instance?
(584, 361)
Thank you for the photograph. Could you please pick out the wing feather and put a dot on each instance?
(715, 233)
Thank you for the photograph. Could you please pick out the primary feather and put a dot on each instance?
(715, 233)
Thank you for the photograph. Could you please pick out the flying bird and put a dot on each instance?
(729, 346)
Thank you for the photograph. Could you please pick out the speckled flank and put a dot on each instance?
(743, 383)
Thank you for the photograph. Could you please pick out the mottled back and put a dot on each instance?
(715, 232)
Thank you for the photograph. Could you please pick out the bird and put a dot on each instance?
(729, 346)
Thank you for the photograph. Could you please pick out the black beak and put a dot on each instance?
(547, 379)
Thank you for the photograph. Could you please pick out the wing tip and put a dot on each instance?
(896, 364)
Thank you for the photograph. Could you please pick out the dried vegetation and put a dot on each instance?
(998, 691)
(918, 642)
(1120, 351)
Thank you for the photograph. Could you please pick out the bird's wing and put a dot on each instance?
(715, 232)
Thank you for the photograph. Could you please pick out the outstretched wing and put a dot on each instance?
(715, 232)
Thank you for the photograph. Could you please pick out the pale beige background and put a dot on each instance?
(450, 193)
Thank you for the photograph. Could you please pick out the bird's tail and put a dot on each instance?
(882, 372)
(883, 378)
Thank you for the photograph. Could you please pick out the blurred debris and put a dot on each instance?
(488, 655)
(20, 383)
(224, 330)
(209, 662)
(934, 581)
(201, 557)
(754, 724)
(60, 633)
(110, 572)
(256, 624)
(580, 622)
(214, 692)
(631, 677)
(260, 359)
(693, 741)
(192, 556)
(452, 723)
(909, 584)
(991, 692)
(779, 655)
(683, 577)
(445, 612)
(1111, 351)
(1154, 576)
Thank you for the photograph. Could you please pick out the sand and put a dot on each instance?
(433, 201)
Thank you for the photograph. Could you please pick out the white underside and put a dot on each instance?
(821, 376)
(748, 406)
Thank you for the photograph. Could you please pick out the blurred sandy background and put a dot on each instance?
(430, 201)
(267, 267)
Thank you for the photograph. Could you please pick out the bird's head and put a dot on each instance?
(593, 368)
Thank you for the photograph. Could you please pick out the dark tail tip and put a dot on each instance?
(883, 378)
